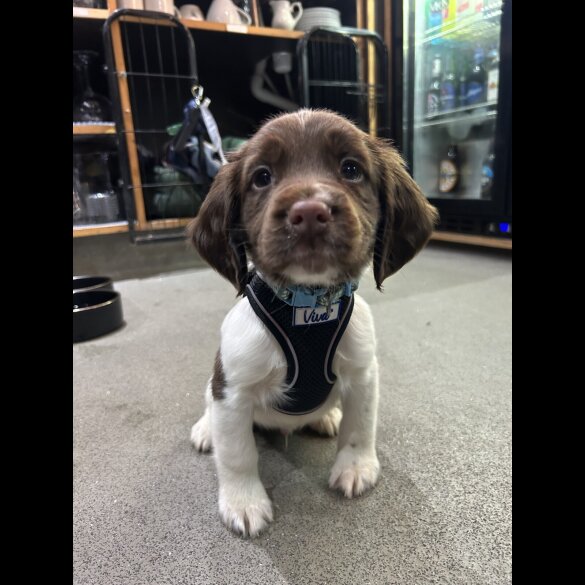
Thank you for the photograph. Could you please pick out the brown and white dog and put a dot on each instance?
(309, 200)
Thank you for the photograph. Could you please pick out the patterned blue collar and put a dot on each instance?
(298, 295)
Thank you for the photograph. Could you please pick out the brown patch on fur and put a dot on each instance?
(216, 233)
(310, 168)
(407, 219)
(346, 244)
(218, 378)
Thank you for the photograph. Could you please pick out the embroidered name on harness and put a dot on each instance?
(308, 336)
(309, 316)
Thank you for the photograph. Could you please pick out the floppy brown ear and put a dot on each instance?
(216, 232)
(407, 219)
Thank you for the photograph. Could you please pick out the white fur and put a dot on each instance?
(328, 425)
(298, 274)
(255, 367)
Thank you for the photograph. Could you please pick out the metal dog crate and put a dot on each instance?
(151, 62)
(346, 70)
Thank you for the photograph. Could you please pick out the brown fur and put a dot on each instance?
(384, 215)
(218, 378)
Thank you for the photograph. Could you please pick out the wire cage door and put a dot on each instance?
(346, 69)
(152, 68)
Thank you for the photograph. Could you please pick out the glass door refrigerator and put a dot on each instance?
(457, 113)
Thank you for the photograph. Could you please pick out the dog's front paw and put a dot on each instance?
(201, 433)
(246, 511)
(328, 424)
(353, 473)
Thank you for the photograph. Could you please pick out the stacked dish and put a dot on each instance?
(319, 16)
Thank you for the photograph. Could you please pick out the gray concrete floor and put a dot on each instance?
(145, 505)
(116, 256)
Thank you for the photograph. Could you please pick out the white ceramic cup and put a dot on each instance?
(191, 11)
(282, 62)
(167, 6)
(226, 11)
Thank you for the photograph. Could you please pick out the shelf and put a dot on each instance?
(94, 129)
(159, 224)
(95, 13)
(462, 110)
(261, 31)
(472, 117)
(115, 227)
(482, 24)
(474, 240)
(464, 114)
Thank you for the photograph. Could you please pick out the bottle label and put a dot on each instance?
(463, 7)
(433, 103)
(462, 98)
(435, 15)
(449, 10)
(474, 92)
(493, 80)
(447, 95)
(448, 176)
(487, 178)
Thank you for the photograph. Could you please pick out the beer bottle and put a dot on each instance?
(449, 170)
(434, 91)
(476, 80)
(493, 75)
(487, 173)
(448, 86)
(462, 85)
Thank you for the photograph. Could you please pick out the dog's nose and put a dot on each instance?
(309, 216)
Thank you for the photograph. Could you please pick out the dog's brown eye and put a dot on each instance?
(262, 178)
(351, 170)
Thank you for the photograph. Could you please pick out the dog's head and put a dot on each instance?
(311, 199)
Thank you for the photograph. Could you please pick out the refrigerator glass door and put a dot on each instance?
(452, 71)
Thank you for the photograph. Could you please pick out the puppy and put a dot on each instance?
(293, 221)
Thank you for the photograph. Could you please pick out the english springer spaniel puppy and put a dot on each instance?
(293, 221)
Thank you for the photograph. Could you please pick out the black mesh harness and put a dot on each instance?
(308, 337)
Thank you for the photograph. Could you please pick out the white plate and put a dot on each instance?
(306, 26)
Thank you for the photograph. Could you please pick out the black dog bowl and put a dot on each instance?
(96, 313)
(85, 283)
